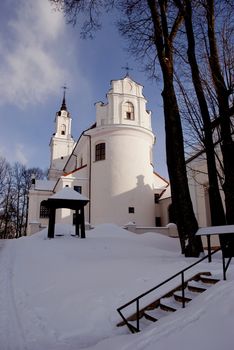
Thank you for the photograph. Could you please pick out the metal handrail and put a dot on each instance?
(137, 328)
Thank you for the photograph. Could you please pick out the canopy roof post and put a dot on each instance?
(51, 222)
(82, 222)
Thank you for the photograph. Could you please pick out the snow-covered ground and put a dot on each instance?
(63, 293)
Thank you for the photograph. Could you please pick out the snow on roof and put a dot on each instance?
(214, 230)
(45, 185)
(69, 193)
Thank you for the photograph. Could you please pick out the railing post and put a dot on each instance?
(209, 248)
(138, 315)
(182, 279)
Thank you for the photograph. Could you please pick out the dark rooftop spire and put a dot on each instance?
(63, 106)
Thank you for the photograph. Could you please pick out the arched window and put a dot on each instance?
(63, 129)
(100, 151)
(128, 110)
(44, 211)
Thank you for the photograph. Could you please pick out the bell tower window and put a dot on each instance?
(63, 129)
(128, 110)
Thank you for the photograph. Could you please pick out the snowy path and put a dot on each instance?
(21, 328)
(11, 330)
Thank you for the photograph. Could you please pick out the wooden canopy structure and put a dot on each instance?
(226, 238)
(70, 199)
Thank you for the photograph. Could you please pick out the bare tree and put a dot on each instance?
(15, 183)
(205, 132)
(223, 92)
(8, 210)
(22, 183)
(4, 166)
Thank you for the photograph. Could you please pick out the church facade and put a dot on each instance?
(111, 164)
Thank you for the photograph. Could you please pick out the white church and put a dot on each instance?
(111, 164)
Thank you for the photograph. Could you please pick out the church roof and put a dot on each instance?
(44, 185)
(63, 106)
(128, 77)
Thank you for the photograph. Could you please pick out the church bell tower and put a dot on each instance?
(61, 143)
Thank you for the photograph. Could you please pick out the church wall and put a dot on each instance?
(124, 179)
(198, 186)
(61, 152)
(35, 199)
(80, 155)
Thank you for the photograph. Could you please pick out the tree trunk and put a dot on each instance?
(185, 218)
(227, 144)
(181, 201)
(216, 206)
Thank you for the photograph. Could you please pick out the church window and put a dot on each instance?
(131, 210)
(100, 151)
(81, 162)
(44, 212)
(128, 110)
(63, 129)
(156, 198)
(78, 189)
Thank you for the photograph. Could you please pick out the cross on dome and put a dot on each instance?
(127, 68)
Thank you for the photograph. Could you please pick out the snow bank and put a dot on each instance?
(63, 293)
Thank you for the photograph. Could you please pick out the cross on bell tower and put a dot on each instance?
(127, 68)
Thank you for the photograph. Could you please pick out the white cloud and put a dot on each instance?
(30, 68)
(20, 155)
(17, 153)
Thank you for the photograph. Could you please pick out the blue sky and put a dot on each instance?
(39, 54)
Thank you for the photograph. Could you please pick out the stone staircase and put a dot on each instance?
(170, 302)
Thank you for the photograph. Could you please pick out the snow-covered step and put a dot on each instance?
(156, 313)
(209, 279)
(143, 323)
(178, 295)
(198, 286)
(169, 304)
(189, 294)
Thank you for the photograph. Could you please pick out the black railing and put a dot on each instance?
(137, 299)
